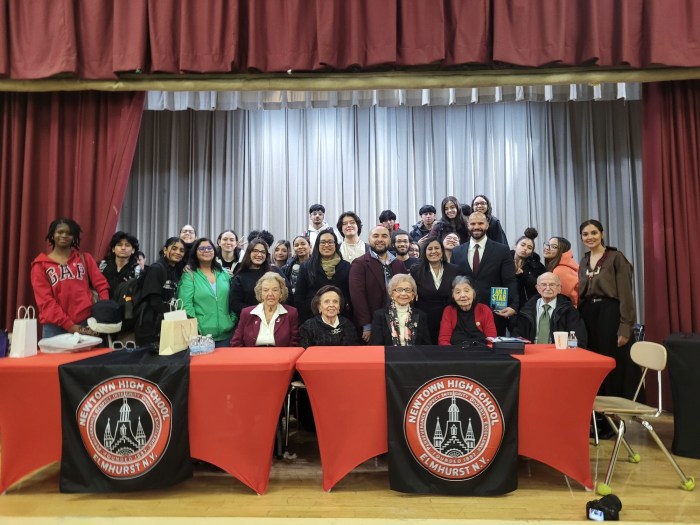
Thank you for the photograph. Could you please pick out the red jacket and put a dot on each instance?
(62, 291)
(482, 315)
(286, 328)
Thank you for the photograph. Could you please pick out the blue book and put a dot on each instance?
(499, 297)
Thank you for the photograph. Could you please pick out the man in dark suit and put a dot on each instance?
(488, 263)
(369, 276)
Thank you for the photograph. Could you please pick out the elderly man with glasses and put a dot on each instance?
(547, 313)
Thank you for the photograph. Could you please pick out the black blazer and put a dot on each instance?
(496, 268)
(381, 335)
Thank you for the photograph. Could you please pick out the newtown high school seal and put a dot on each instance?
(454, 427)
(125, 424)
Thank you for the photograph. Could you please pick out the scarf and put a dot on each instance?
(328, 265)
(395, 328)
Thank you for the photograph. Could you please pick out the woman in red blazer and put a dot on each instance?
(270, 323)
(464, 322)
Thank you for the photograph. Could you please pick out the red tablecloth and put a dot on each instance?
(236, 397)
(347, 389)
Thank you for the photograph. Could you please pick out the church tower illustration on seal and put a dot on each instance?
(454, 442)
(124, 441)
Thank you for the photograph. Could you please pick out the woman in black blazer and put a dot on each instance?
(400, 324)
(325, 267)
(433, 276)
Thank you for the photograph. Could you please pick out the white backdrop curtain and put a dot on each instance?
(549, 165)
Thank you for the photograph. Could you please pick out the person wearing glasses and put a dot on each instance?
(527, 266)
(255, 264)
(559, 259)
(400, 324)
(325, 267)
(465, 322)
(205, 293)
(269, 323)
(188, 235)
(495, 232)
(547, 313)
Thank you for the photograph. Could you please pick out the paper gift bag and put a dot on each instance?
(177, 311)
(24, 333)
(175, 335)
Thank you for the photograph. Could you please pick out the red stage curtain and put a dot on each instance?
(671, 207)
(61, 154)
(99, 40)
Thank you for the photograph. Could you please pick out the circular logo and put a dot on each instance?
(125, 424)
(454, 427)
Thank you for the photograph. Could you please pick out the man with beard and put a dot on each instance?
(369, 275)
(489, 264)
(401, 242)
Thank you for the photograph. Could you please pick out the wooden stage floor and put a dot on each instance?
(649, 491)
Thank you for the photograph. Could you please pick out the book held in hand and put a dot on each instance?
(499, 297)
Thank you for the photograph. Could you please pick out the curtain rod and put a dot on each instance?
(293, 81)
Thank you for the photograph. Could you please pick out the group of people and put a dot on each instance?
(431, 285)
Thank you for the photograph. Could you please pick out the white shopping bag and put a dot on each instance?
(175, 335)
(24, 333)
(177, 311)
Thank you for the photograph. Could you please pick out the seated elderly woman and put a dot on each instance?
(464, 322)
(269, 323)
(328, 327)
(399, 324)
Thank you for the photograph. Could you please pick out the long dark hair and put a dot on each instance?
(422, 267)
(488, 211)
(116, 238)
(459, 224)
(194, 262)
(314, 262)
(564, 246)
(247, 262)
(161, 254)
(592, 222)
(73, 226)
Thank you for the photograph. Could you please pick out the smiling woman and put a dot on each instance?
(205, 293)
(328, 327)
(400, 324)
(62, 280)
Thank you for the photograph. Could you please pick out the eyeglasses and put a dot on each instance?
(205, 249)
(480, 203)
(259, 252)
(549, 285)
(403, 290)
(187, 231)
(328, 242)
(551, 246)
(119, 345)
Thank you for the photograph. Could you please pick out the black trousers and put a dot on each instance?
(602, 319)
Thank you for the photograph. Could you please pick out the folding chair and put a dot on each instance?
(649, 356)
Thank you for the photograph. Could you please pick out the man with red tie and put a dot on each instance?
(489, 264)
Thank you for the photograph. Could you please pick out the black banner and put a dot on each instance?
(452, 420)
(125, 422)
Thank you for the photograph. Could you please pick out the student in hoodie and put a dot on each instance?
(317, 223)
(62, 282)
(548, 312)
(120, 262)
(559, 259)
(159, 287)
(205, 294)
